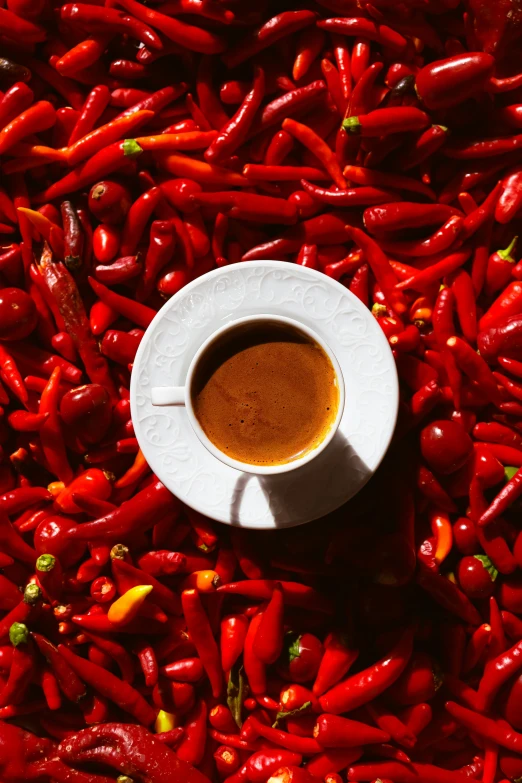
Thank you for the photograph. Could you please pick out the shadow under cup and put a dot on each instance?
(268, 394)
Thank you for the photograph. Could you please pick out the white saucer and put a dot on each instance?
(176, 455)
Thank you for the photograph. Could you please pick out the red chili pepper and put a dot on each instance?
(38, 117)
(507, 495)
(424, 146)
(360, 58)
(307, 257)
(381, 268)
(136, 220)
(25, 611)
(510, 199)
(233, 632)
(92, 109)
(22, 666)
(361, 688)
(462, 288)
(500, 268)
(105, 242)
(235, 131)
(136, 312)
(483, 149)
(332, 760)
(192, 746)
(399, 119)
(184, 670)
(201, 635)
(273, 30)
(227, 760)
(438, 242)
(14, 101)
(68, 300)
(360, 196)
(253, 728)
(255, 669)
(448, 82)
(69, 683)
(403, 773)
(448, 595)
(486, 727)
(371, 177)
(381, 220)
(473, 366)
(388, 722)
(139, 753)
(268, 642)
(334, 731)
(103, 589)
(133, 515)
(295, 594)
(317, 147)
(51, 433)
(110, 686)
(50, 576)
(366, 28)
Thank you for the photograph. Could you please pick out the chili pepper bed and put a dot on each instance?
(141, 146)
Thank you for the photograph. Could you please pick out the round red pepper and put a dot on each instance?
(109, 201)
(18, 316)
(301, 657)
(103, 589)
(106, 242)
(88, 410)
(445, 446)
(50, 537)
(465, 537)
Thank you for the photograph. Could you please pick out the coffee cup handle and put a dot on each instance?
(167, 395)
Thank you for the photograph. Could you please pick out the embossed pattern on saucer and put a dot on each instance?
(184, 465)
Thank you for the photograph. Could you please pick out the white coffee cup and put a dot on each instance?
(182, 396)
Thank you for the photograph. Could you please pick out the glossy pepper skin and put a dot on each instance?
(445, 445)
(301, 658)
(363, 687)
(18, 316)
(446, 83)
(502, 339)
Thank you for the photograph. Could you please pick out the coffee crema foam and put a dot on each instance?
(265, 394)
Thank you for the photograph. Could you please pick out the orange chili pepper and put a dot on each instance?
(198, 170)
(49, 230)
(203, 581)
(127, 606)
(135, 473)
(443, 532)
(318, 147)
(421, 310)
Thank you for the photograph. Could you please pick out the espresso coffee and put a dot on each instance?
(265, 394)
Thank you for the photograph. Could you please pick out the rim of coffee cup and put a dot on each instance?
(248, 467)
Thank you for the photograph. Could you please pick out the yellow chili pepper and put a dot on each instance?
(203, 581)
(165, 721)
(56, 488)
(127, 606)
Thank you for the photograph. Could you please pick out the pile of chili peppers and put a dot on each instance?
(142, 145)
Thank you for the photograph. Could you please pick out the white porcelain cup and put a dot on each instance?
(182, 395)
